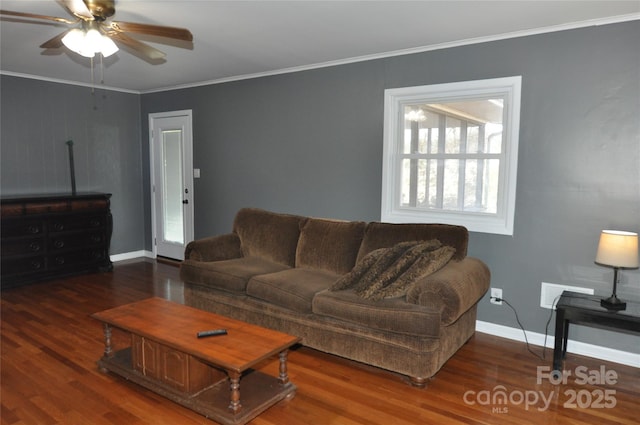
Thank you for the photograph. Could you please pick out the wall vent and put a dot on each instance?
(550, 293)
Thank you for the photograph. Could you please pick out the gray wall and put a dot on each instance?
(311, 143)
(38, 117)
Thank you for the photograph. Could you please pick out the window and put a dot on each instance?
(450, 154)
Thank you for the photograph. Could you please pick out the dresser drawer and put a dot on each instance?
(22, 265)
(12, 228)
(65, 241)
(75, 258)
(22, 246)
(71, 223)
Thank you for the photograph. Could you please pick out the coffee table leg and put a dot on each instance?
(108, 350)
(234, 378)
(283, 377)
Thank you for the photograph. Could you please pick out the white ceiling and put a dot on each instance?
(241, 39)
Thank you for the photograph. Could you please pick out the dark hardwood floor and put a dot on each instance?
(50, 346)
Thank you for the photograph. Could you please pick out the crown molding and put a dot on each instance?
(401, 52)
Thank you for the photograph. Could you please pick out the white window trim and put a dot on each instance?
(394, 102)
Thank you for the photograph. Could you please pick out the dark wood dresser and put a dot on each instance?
(52, 235)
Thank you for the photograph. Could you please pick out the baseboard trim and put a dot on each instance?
(575, 347)
(131, 255)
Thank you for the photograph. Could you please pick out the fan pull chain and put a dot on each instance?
(101, 69)
(93, 83)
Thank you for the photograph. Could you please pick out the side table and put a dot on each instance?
(585, 310)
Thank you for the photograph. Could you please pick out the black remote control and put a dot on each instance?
(213, 332)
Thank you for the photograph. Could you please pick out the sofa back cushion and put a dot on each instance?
(329, 245)
(385, 235)
(268, 235)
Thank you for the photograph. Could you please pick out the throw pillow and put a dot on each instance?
(388, 273)
(354, 276)
(371, 266)
(430, 263)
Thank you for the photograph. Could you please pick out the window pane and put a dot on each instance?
(422, 182)
(492, 179)
(433, 197)
(405, 183)
(406, 144)
(473, 133)
(493, 138)
(481, 185)
(429, 129)
(172, 186)
(452, 136)
(473, 185)
(413, 116)
(450, 191)
(432, 147)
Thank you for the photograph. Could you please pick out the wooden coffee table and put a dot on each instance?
(204, 375)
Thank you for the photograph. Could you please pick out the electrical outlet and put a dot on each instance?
(496, 293)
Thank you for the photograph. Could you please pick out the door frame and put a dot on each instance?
(187, 175)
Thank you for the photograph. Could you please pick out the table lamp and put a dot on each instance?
(617, 249)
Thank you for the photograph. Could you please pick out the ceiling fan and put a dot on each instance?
(97, 34)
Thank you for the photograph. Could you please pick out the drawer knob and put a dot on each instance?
(33, 229)
(59, 261)
(58, 226)
(34, 247)
(35, 264)
(58, 243)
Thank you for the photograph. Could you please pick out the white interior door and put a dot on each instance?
(171, 150)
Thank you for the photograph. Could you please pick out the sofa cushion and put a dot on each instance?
(293, 289)
(392, 314)
(329, 245)
(228, 275)
(268, 235)
(384, 235)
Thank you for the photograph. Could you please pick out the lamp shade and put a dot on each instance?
(618, 249)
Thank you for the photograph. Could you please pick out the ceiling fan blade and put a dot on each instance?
(78, 8)
(147, 51)
(157, 30)
(34, 16)
(55, 42)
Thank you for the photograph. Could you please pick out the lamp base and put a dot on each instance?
(613, 303)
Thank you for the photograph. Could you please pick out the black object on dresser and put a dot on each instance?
(52, 235)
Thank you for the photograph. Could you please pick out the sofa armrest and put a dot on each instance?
(453, 289)
(214, 248)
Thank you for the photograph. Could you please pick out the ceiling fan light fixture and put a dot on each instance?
(107, 46)
(89, 42)
(96, 35)
(74, 40)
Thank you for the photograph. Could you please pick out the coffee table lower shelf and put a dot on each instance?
(259, 391)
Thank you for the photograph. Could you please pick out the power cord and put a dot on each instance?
(546, 329)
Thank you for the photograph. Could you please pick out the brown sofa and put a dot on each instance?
(304, 276)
